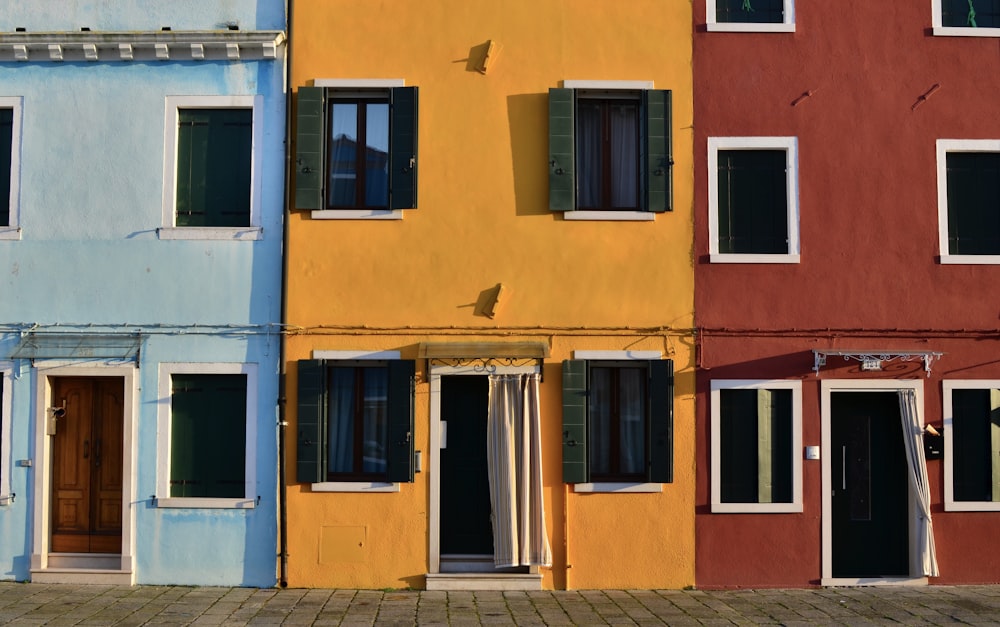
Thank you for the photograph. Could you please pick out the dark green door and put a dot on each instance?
(870, 486)
(465, 491)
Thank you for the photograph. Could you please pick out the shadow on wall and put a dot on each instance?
(527, 118)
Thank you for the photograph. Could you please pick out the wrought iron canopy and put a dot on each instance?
(873, 357)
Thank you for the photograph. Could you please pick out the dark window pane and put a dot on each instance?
(377, 155)
(752, 11)
(607, 154)
(343, 154)
(6, 136)
(214, 156)
(208, 435)
(753, 201)
(975, 14)
(975, 449)
(358, 421)
(756, 446)
(618, 407)
(973, 203)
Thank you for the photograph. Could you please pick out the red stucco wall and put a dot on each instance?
(869, 274)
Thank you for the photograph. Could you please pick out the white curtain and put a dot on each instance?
(913, 439)
(514, 454)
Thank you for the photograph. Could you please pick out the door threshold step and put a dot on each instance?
(83, 576)
(484, 581)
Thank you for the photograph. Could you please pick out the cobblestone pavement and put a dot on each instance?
(42, 604)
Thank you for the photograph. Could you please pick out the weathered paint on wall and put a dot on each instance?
(91, 181)
(851, 84)
(483, 219)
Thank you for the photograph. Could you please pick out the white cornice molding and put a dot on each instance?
(225, 45)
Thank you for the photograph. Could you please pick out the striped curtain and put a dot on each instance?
(514, 454)
(917, 466)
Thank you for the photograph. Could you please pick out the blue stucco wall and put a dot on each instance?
(91, 178)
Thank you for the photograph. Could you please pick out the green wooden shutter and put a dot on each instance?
(214, 157)
(192, 140)
(562, 184)
(400, 409)
(659, 151)
(310, 168)
(6, 138)
(208, 435)
(311, 428)
(403, 148)
(661, 421)
(574, 435)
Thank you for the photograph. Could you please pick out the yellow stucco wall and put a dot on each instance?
(483, 219)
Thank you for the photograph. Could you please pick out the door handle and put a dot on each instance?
(86, 449)
(843, 467)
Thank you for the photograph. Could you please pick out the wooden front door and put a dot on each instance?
(870, 486)
(87, 465)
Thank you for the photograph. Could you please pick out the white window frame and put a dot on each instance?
(718, 506)
(950, 504)
(355, 486)
(357, 214)
(790, 146)
(168, 228)
(787, 26)
(611, 487)
(610, 216)
(944, 147)
(940, 30)
(163, 425)
(6, 379)
(13, 230)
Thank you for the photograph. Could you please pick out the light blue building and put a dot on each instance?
(141, 203)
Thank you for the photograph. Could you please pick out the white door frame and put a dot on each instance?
(436, 440)
(827, 388)
(43, 373)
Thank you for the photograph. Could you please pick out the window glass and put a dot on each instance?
(358, 421)
(971, 13)
(208, 415)
(214, 156)
(6, 135)
(976, 445)
(752, 201)
(973, 182)
(617, 422)
(756, 445)
(750, 11)
(358, 153)
(607, 155)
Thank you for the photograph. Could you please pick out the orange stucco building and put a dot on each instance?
(491, 202)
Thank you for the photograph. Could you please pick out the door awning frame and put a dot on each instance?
(874, 358)
(485, 356)
(40, 345)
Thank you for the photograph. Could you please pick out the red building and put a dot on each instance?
(847, 225)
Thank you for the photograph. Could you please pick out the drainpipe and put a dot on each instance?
(282, 418)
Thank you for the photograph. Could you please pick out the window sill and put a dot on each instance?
(6, 499)
(981, 260)
(610, 216)
(752, 258)
(971, 506)
(756, 508)
(608, 487)
(204, 503)
(748, 27)
(357, 214)
(355, 486)
(211, 232)
(965, 31)
(10, 232)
